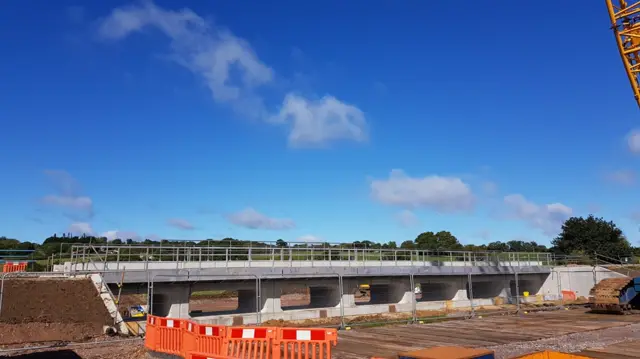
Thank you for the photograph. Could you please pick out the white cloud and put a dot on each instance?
(180, 223)
(633, 141)
(321, 121)
(80, 228)
(123, 235)
(81, 203)
(407, 218)
(443, 194)
(211, 53)
(624, 177)
(308, 238)
(250, 218)
(68, 194)
(215, 55)
(489, 188)
(548, 218)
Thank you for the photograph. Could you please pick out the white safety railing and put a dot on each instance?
(115, 257)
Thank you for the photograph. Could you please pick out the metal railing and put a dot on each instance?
(88, 256)
(16, 255)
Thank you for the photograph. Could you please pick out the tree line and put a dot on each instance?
(578, 236)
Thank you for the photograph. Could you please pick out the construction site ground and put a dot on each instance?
(565, 330)
(595, 335)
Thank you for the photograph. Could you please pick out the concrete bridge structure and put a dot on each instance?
(260, 275)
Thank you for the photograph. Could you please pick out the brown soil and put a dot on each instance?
(129, 300)
(44, 310)
(106, 350)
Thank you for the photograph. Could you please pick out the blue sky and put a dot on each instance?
(338, 121)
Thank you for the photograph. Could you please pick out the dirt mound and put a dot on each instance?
(44, 310)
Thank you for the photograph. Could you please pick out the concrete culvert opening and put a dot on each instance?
(295, 296)
(160, 305)
(390, 293)
(131, 301)
(362, 293)
(216, 302)
(531, 286)
(485, 289)
(432, 292)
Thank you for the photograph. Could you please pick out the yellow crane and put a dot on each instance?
(625, 23)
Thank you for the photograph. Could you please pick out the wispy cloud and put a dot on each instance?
(250, 218)
(80, 228)
(309, 238)
(623, 177)
(68, 195)
(216, 55)
(407, 218)
(548, 218)
(180, 223)
(633, 141)
(122, 235)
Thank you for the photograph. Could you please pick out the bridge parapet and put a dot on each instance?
(136, 257)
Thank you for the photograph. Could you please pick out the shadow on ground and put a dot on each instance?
(59, 354)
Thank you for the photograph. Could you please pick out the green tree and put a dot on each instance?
(442, 240)
(280, 243)
(408, 245)
(498, 246)
(475, 248)
(390, 245)
(591, 235)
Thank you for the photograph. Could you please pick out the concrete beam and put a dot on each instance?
(250, 274)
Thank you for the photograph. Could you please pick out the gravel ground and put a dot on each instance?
(102, 348)
(571, 343)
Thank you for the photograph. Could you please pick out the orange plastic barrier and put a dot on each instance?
(250, 343)
(306, 343)
(568, 295)
(552, 355)
(210, 339)
(196, 341)
(205, 356)
(150, 333)
(10, 267)
(189, 338)
(168, 335)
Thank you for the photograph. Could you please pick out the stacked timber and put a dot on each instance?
(608, 290)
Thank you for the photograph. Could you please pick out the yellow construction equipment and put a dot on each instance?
(364, 290)
(622, 295)
(625, 23)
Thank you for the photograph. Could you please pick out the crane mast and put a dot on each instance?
(625, 21)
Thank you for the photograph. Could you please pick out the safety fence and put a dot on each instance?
(11, 267)
(191, 340)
